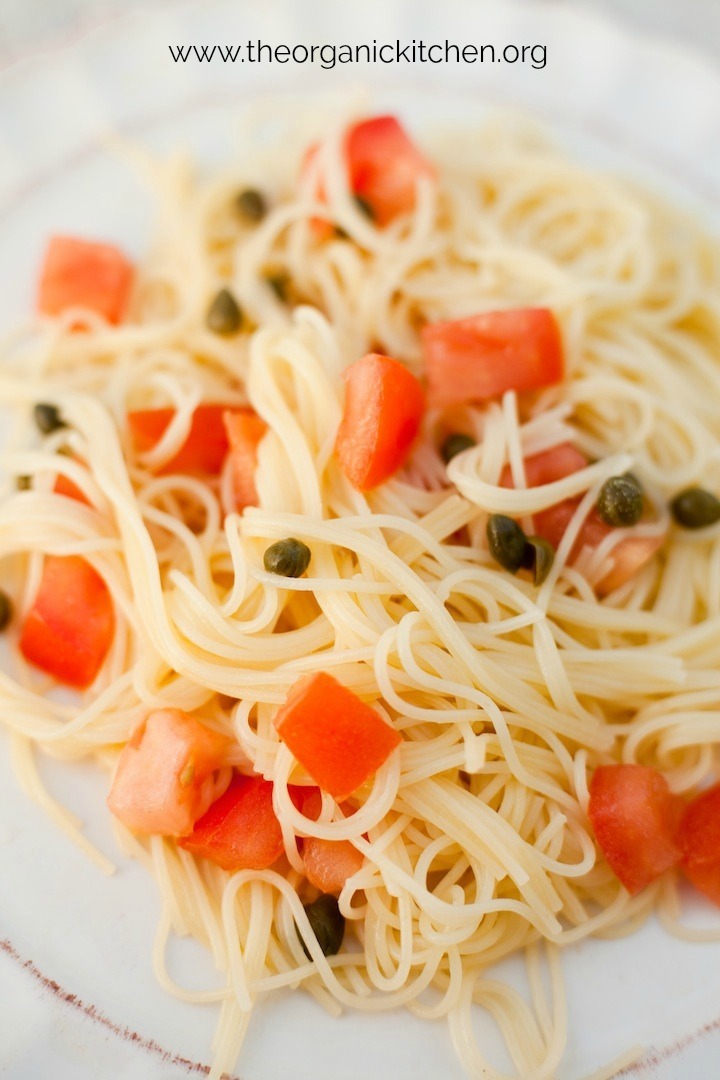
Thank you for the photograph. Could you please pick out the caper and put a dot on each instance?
(364, 207)
(224, 315)
(327, 924)
(506, 541)
(48, 418)
(633, 477)
(23, 483)
(6, 609)
(251, 204)
(455, 444)
(280, 285)
(289, 558)
(695, 508)
(539, 557)
(620, 501)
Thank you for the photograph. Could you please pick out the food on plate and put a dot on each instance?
(371, 515)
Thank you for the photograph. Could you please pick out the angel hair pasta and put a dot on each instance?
(374, 515)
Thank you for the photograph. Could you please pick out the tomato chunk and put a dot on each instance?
(82, 273)
(384, 166)
(244, 430)
(626, 558)
(204, 449)
(167, 775)
(700, 843)
(384, 405)
(482, 356)
(636, 820)
(240, 830)
(67, 487)
(322, 228)
(70, 626)
(338, 739)
(328, 863)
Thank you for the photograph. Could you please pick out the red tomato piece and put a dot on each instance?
(482, 356)
(204, 449)
(240, 830)
(549, 465)
(244, 430)
(384, 166)
(700, 842)
(70, 626)
(67, 487)
(384, 406)
(82, 273)
(328, 863)
(167, 775)
(338, 739)
(627, 557)
(322, 228)
(636, 819)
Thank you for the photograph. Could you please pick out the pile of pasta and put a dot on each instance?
(499, 687)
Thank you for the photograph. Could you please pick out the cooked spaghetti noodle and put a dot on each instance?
(475, 836)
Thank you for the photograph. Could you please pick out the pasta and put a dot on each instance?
(474, 837)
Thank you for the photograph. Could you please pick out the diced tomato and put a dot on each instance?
(384, 405)
(328, 863)
(626, 558)
(384, 166)
(322, 228)
(240, 830)
(70, 626)
(67, 487)
(204, 449)
(482, 356)
(338, 739)
(700, 843)
(82, 273)
(636, 820)
(549, 465)
(244, 430)
(168, 774)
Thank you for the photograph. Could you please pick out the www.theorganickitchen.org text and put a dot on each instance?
(328, 55)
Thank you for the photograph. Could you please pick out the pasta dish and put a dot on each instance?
(372, 514)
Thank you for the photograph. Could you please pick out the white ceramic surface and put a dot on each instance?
(640, 106)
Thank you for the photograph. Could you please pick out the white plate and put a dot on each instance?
(614, 100)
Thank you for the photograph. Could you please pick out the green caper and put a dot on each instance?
(455, 444)
(280, 285)
(620, 501)
(364, 207)
(506, 541)
(48, 418)
(539, 557)
(6, 609)
(251, 204)
(289, 558)
(695, 508)
(23, 483)
(328, 925)
(633, 477)
(224, 315)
